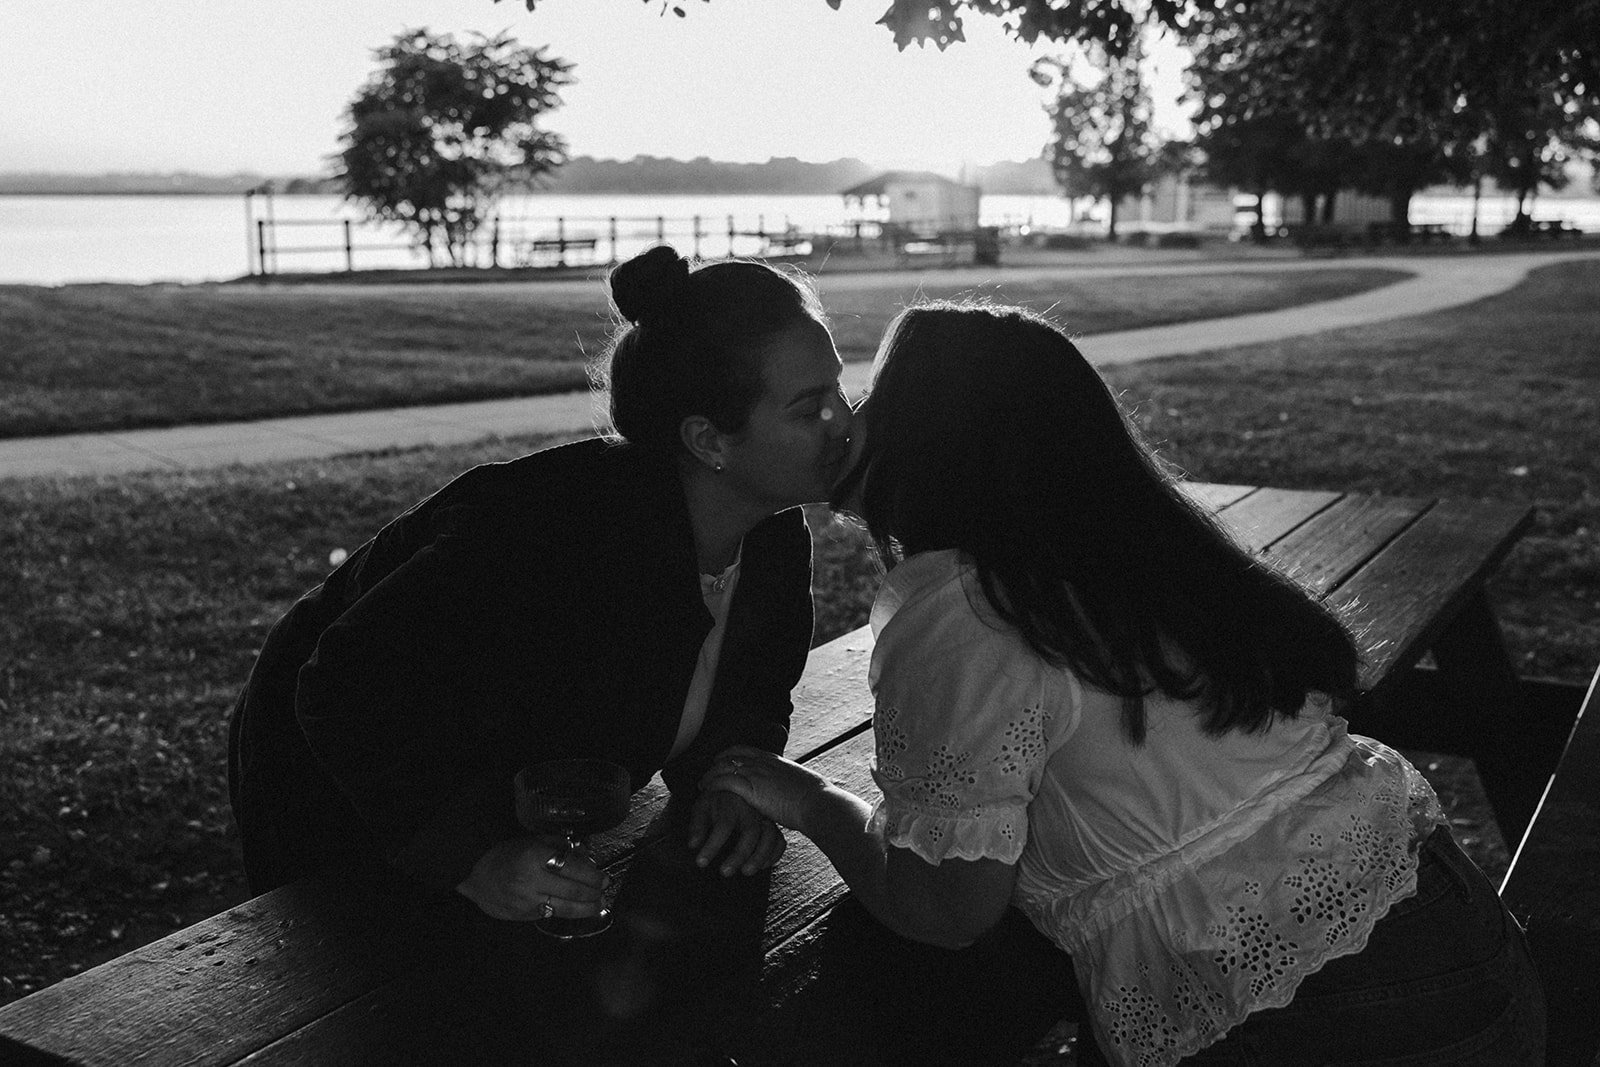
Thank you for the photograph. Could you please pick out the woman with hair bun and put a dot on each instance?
(643, 596)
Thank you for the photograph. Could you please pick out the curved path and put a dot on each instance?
(1436, 283)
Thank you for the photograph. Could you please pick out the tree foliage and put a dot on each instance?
(443, 127)
(1102, 143)
(1532, 135)
(1110, 24)
(1414, 85)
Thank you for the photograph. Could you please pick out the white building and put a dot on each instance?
(1174, 202)
(915, 200)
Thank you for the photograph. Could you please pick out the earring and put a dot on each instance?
(718, 468)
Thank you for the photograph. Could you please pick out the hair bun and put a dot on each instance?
(651, 285)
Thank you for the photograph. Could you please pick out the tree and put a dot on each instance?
(1252, 154)
(1103, 143)
(1415, 82)
(1533, 136)
(1110, 24)
(442, 128)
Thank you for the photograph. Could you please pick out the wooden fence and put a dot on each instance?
(536, 241)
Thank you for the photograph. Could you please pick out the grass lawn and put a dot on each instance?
(1497, 400)
(135, 604)
(101, 357)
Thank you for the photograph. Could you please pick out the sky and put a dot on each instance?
(224, 86)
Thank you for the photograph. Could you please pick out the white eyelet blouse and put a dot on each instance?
(1194, 879)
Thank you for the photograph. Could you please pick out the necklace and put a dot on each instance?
(718, 583)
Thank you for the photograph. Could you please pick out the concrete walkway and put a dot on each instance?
(1436, 283)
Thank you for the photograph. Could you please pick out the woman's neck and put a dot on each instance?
(718, 516)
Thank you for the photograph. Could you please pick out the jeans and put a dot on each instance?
(1445, 979)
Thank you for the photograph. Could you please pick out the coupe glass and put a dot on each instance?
(572, 798)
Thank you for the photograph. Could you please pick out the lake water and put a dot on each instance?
(51, 240)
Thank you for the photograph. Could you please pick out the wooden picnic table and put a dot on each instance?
(774, 969)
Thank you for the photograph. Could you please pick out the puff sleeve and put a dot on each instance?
(965, 717)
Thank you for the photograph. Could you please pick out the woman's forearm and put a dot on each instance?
(948, 902)
(839, 824)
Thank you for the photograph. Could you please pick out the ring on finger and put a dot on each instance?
(557, 860)
(549, 907)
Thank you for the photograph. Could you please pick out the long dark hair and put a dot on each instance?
(689, 341)
(988, 432)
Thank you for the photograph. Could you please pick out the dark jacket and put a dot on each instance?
(542, 608)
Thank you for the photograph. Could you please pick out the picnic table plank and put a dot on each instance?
(828, 699)
(1331, 545)
(243, 957)
(1448, 552)
(1266, 515)
(1216, 495)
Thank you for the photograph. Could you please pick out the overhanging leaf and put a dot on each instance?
(921, 21)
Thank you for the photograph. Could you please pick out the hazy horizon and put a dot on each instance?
(117, 172)
(216, 88)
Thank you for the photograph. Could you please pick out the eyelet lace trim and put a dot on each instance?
(928, 815)
(1243, 934)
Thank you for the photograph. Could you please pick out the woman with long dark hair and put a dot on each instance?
(1094, 706)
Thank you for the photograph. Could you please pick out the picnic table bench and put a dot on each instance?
(769, 970)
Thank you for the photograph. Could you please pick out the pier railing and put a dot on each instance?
(539, 241)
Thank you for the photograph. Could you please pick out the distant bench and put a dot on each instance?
(1553, 888)
(527, 250)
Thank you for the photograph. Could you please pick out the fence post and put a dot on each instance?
(561, 241)
(349, 249)
(613, 232)
(494, 243)
(696, 224)
(261, 243)
(661, 230)
(249, 231)
(272, 226)
(732, 233)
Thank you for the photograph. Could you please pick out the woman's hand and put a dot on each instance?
(527, 878)
(721, 820)
(780, 789)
